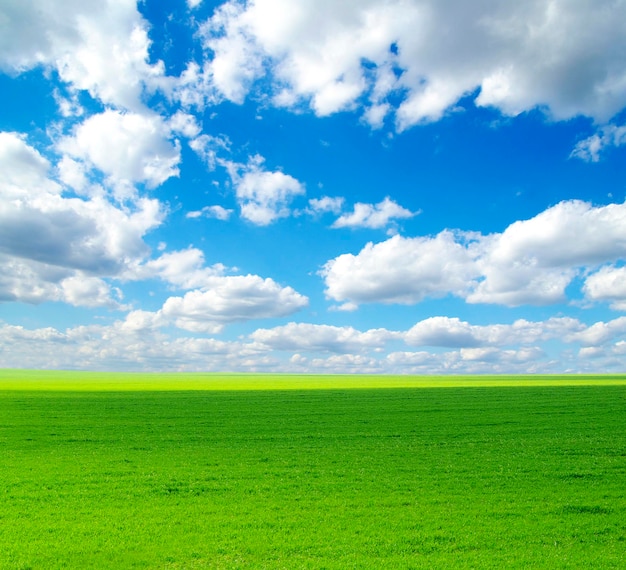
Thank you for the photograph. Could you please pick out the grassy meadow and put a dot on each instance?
(244, 471)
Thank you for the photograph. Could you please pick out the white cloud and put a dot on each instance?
(315, 50)
(429, 103)
(321, 338)
(347, 364)
(57, 248)
(139, 341)
(61, 249)
(570, 233)
(74, 174)
(401, 270)
(531, 262)
(84, 234)
(591, 148)
(217, 212)
(607, 284)
(421, 360)
(444, 331)
(523, 284)
(29, 281)
(488, 360)
(227, 299)
(600, 333)
(142, 321)
(374, 216)
(127, 147)
(192, 88)
(263, 196)
(213, 299)
(451, 332)
(132, 344)
(68, 106)
(591, 352)
(184, 269)
(375, 115)
(464, 361)
(326, 204)
(345, 307)
(84, 291)
(100, 47)
(236, 62)
(207, 147)
(23, 171)
(184, 124)
(44, 243)
(562, 56)
(494, 355)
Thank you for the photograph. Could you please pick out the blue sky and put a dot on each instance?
(398, 186)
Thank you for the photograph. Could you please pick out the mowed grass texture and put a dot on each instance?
(472, 477)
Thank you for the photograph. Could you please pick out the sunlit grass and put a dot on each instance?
(111, 381)
(202, 472)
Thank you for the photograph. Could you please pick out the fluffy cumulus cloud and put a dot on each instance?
(451, 332)
(531, 262)
(607, 284)
(182, 269)
(600, 333)
(227, 299)
(24, 170)
(32, 282)
(92, 236)
(562, 56)
(213, 298)
(264, 196)
(373, 216)
(444, 331)
(401, 270)
(304, 337)
(55, 247)
(570, 233)
(184, 124)
(99, 47)
(85, 291)
(127, 147)
(534, 260)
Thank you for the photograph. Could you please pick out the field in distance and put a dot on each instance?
(114, 381)
(101, 471)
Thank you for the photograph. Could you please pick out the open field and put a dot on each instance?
(205, 472)
(107, 381)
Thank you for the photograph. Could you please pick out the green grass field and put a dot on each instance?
(210, 471)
